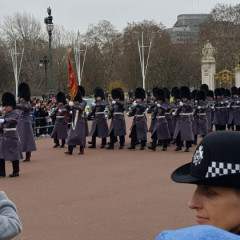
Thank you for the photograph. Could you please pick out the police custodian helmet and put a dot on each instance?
(216, 162)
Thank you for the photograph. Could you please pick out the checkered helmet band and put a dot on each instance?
(217, 169)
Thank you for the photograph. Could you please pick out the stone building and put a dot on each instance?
(187, 27)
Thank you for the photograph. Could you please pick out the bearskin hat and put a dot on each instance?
(223, 91)
(234, 91)
(24, 91)
(160, 94)
(122, 97)
(176, 94)
(218, 92)
(78, 96)
(140, 93)
(193, 94)
(185, 92)
(173, 90)
(167, 93)
(82, 90)
(116, 93)
(210, 94)
(95, 89)
(200, 95)
(8, 99)
(154, 91)
(227, 93)
(99, 93)
(204, 87)
(61, 97)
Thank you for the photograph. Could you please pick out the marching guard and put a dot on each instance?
(210, 111)
(61, 121)
(201, 114)
(76, 134)
(151, 109)
(160, 129)
(139, 124)
(169, 117)
(118, 125)
(220, 117)
(99, 125)
(10, 148)
(82, 90)
(183, 130)
(234, 112)
(24, 126)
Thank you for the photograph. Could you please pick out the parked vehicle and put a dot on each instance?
(88, 108)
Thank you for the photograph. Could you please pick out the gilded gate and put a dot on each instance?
(224, 79)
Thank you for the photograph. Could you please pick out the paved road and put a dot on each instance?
(101, 195)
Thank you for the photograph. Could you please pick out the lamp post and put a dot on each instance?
(44, 62)
(49, 25)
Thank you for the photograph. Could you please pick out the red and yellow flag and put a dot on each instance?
(72, 81)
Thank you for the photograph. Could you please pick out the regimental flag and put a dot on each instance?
(72, 81)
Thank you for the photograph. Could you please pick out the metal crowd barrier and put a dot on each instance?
(38, 127)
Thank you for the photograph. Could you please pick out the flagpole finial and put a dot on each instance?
(69, 51)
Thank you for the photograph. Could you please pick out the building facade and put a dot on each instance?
(187, 27)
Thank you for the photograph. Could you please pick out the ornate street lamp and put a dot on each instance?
(49, 25)
(44, 62)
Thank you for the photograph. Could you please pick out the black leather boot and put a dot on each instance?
(93, 143)
(81, 150)
(132, 147)
(70, 150)
(143, 144)
(104, 142)
(110, 147)
(63, 143)
(2, 168)
(152, 148)
(15, 165)
(187, 149)
(28, 156)
(178, 149)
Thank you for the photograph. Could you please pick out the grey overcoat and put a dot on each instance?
(184, 122)
(77, 132)
(118, 119)
(140, 121)
(100, 120)
(10, 148)
(60, 125)
(24, 127)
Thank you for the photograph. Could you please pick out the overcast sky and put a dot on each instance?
(78, 14)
